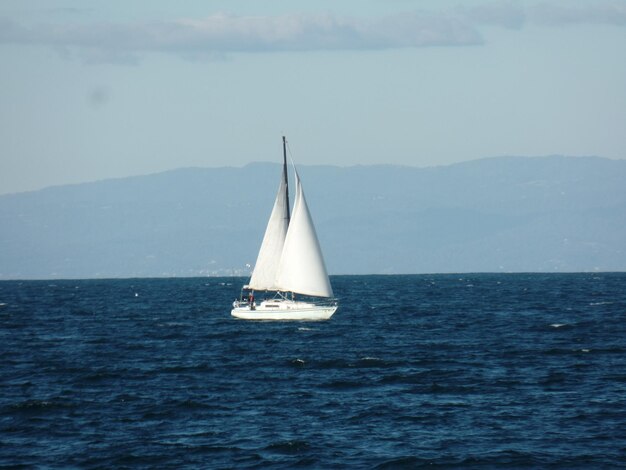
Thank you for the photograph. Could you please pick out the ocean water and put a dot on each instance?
(451, 371)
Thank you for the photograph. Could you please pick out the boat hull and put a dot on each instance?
(284, 310)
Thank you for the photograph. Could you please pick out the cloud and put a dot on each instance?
(504, 14)
(560, 14)
(62, 11)
(511, 15)
(225, 33)
(221, 34)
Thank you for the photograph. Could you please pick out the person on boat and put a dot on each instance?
(251, 300)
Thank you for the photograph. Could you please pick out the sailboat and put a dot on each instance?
(290, 269)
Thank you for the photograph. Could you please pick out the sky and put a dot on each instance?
(92, 90)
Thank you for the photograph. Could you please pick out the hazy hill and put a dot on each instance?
(499, 214)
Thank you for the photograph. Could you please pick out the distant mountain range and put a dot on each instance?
(506, 214)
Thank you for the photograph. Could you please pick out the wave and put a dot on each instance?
(34, 405)
(289, 447)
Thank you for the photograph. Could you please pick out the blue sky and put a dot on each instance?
(92, 89)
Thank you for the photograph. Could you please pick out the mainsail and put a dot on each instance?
(268, 260)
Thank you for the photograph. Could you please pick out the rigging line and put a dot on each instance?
(289, 148)
(296, 176)
(291, 159)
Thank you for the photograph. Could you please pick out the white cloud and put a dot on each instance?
(514, 15)
(225, 33)
(505, 14)
(220, 34)
(613, 13)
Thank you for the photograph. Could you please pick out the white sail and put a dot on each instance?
(266, 267)
(302, 269)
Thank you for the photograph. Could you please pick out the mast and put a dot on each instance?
(285, 176)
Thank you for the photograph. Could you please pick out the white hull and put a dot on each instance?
(283, 310)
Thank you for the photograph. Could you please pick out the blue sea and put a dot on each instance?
(436, 371)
